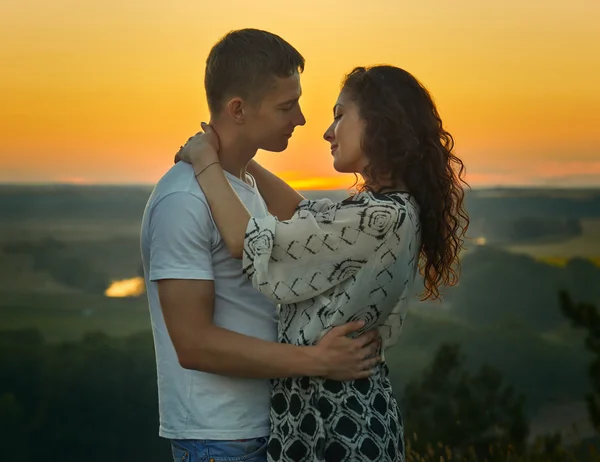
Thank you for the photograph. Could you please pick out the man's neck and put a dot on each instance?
(234, 153)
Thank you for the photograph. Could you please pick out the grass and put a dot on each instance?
(586, 245)
(561, 262)
(544, 450)
(69, 316)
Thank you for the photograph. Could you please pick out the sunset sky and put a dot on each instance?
(105, 91)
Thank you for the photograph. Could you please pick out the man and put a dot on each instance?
(215, 335)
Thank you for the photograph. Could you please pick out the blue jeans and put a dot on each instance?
(250, 450)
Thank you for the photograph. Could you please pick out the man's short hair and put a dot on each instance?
(244, 62)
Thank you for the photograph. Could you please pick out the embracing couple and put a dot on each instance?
(271, 312)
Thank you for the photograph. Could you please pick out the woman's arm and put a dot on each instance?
(282, 200)
(298, 259)
(229, 212)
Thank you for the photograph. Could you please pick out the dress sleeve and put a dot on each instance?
(319, 247)
(316, 206)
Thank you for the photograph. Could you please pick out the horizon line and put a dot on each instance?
(149, 185)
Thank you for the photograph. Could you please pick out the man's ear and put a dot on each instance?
(236, 110)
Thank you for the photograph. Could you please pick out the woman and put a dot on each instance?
(331, 263)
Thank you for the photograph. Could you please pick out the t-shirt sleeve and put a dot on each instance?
(181, 237)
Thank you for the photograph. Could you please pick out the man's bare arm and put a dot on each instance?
(200, 345)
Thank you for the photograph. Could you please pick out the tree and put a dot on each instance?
(585, 316)
(95, 397)
(461, 409)
(13, 428)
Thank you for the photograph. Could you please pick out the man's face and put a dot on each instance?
(270, 124)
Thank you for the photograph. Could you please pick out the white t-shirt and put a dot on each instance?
(179, 240)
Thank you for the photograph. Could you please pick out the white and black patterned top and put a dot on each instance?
(336, 262)
(329, 264)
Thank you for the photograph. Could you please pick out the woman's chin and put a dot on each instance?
(336, 165)
(340, 167)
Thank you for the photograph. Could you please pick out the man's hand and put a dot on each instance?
(347, 358)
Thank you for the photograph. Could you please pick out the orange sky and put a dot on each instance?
(105, 91)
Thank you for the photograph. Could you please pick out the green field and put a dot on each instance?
(67, 317)
(587, 246)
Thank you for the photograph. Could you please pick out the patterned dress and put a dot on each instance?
(329, 264)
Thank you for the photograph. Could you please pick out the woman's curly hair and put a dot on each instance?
(404, 140)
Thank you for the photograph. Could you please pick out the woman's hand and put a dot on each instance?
(201, 150)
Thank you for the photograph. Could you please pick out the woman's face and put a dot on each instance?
(345, 135)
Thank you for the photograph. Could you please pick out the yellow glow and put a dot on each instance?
(299, 180)
(133, 287)
(480, 241)
(106, 91)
